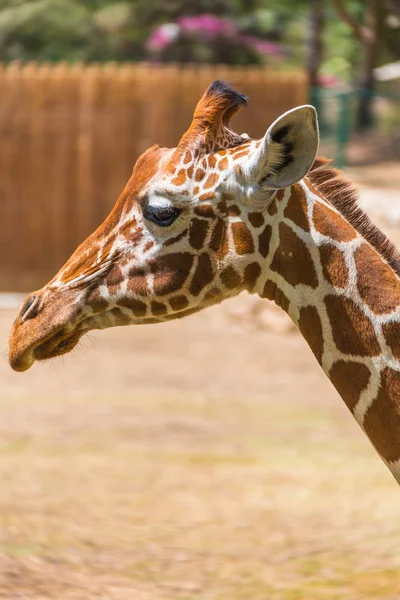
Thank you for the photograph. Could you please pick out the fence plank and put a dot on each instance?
(69, 136)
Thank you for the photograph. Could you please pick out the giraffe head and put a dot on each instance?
(187, 231)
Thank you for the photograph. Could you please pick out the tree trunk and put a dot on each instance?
(315, 54)
(315, 48)
(371, 48)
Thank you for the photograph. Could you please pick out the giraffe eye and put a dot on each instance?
(161, 215)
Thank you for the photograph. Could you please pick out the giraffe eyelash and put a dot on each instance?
(163, 216)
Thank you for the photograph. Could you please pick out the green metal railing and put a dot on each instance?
(337, 116)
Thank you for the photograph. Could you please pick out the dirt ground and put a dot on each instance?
(203, 459)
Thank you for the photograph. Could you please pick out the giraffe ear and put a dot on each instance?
(287, 151)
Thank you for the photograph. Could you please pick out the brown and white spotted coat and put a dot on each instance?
(222, 213)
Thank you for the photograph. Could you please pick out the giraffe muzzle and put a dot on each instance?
(54, 345)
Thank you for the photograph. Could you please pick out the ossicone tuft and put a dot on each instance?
(210, 128)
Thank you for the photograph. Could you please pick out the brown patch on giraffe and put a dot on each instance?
(114, 279)
(137, 282)
(391, 331)
(241, 148)
(264, 240)
(234, 211)
(230, 278)
(96, 302)
(133, 234)
(197, 233)
(292, 259)
(219, 239)
(178, 302)
(213, 293)
(251, 273)
(158, 308)
(222, 152)
(329, 223)
(377, 284)
(272, 292)
(222, 207)
(334, 266)
(200, 174)
(180, 178)
(310, 326)
(223, 164)
(280, 194)
(352, 331)
(189, 171)
(207, 196)
(196, 190)
(108, 246)
(203, 274)
(148, 246)
(211, 180)
(350, 378)
(382, 420)
(138, 308)
(212, 161)
(272, 208)
(242, 238)
(226, 197)
(187, 157)
(170, 272)
(121, 317)
(256, 219)
(296, 208)
(241, 154)
(205, 210)
(177, 238)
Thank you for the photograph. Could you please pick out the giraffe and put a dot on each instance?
(222, 213)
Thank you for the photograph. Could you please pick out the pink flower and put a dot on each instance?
(263, 46)
(207, 25)
(162, 36)
(326, 80)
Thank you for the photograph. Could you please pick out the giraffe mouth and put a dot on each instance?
(58, 343)
(61, 343)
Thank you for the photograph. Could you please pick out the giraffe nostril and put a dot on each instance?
(29, 310)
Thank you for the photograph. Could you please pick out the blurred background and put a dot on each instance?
(209, 458)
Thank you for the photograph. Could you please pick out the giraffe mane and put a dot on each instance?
(341, 193)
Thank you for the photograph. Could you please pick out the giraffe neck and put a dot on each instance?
(345, 300)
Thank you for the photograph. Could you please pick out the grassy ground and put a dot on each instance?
(190, 497)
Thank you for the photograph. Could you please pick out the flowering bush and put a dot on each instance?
(207, 38)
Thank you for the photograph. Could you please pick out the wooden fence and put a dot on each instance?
(69, 136)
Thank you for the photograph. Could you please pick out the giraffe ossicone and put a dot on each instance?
(222, 213)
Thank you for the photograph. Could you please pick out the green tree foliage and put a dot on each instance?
(52, 30)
